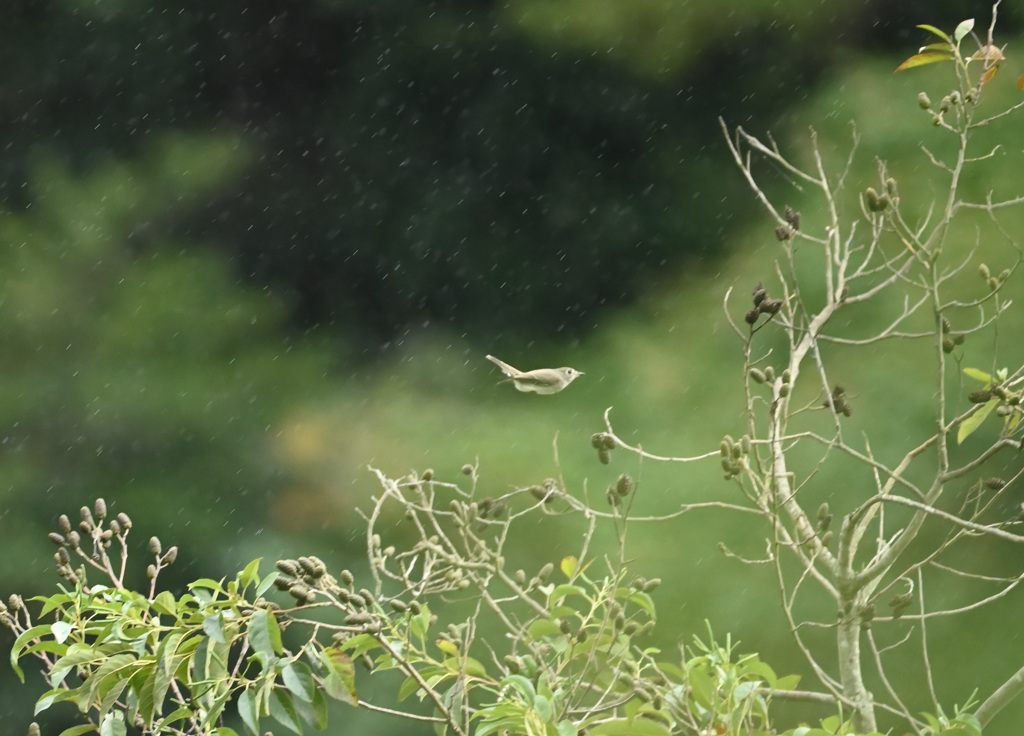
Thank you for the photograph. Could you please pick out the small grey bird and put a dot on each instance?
(540, 381)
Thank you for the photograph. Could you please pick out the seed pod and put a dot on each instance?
(359, 617)
(155, 546)
(751, 317)
(793, 218)
(651, 584)
(900, 603)
(347, 577)
(783, 233)
(757, 376)
(891, 189)
(428, 474)
(623, 485)
(101, 509)
(57, 539)
(398, 606)
(995, 484)
(87, 524)
(124, 520)
(922, 101)
(74, 540)
(980, 397)
(604, 456)
(824, 518)
(289, 567)
(546, 571)
(64, 523)
(170, 556)
(876, 202)
(467, 469)
(759, 294)
(564, 626)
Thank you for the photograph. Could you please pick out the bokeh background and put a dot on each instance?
(250, 249)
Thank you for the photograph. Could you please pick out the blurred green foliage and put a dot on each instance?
(135, 366)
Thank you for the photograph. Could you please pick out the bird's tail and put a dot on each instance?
(505, 367)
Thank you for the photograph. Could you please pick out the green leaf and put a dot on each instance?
(930, 57)
(266, 583)
(264, 633)
(963, 29)
(213, 627)
(113, 725)
(543, 627)
(249, 711)
(936, 31)
(569, 565)
(789, 682)
(974, 421)
(563, 591)
(340, 683)
(409, 686)
(283, 710)
(250, 574)
(979, 376)
(420, 623)
(164, 603)
(20, 642)
(629, 727)
(61, 631)
(78, 730)
(522, 685)
(207, 584)
(298, 678)
(360, 644)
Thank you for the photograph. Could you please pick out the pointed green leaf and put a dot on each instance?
(283, 710)
(629, 727)
(963, 29)
(936, 31)
(250, 574)
(340, 682)
(264, 633)
(249, 711)
(78, 730)
(213, 627)
(298, 678)
(930, 57)
(978, 375)
(974, 421)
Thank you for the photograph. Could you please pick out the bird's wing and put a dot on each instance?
(505, 367)
(538, 378)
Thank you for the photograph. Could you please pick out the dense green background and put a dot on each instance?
(249, 249)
